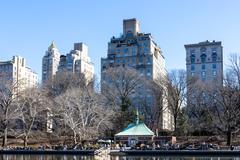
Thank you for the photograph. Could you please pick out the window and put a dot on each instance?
(214, 56)
(149, 61)
(125, 50)
(145, 44)
(148, 72)
(145, 50)
(193, 58)
(134, 60)
(140, 60)
(192, 67)
(118, 50)
(111, 56)
(203, 67)
(203, 74)
(141, 72)
(203, 58)
(214, 73)
(134, 51)
(214, 66)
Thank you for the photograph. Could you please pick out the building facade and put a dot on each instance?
(204, 61)
(50, 63)
(204, 64)
(137, 50)
(77, 61)
(17, 71)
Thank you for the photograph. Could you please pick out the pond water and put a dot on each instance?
(78, 157)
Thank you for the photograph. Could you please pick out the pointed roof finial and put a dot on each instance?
(137, 117)
(52, 45)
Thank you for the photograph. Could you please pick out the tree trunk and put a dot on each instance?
(229, 137)
(175, 124)
(4, 141)
(75, 137)
(25, 140)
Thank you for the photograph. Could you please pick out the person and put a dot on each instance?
(154, 146)
(65, 147)
(142, 146)
(75, 147)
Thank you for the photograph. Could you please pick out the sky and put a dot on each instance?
(28, 27)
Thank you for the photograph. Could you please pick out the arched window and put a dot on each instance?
(192, 58)
(214, 56)
(203, 58)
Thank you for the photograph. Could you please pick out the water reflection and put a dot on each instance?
(45, 157)
(78, 157)
(172, 158)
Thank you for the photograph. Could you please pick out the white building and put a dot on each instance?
(16, 71)
(77, 61)
(50, 63)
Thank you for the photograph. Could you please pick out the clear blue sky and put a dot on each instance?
(27, 27)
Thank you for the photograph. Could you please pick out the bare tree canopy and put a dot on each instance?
(216, 107)
(226, 101)
(234, 68)
(33, 105)
(82, 111)
(8, 109)
(61, 82)
(176, 87)
(119, 84)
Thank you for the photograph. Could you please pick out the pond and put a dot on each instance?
(79, 157)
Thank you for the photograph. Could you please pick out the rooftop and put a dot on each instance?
(52, 45)
(204, 43)
(138, 129)
(5, 62)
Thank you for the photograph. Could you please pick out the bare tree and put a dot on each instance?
(216, 107)
(176, 87)
(83, 113)
(198, 106)
(234, 67)
(33, 106)
(226, 112)
(119, 86)
(64, 80)
(8, 109)
(121, 83)
(157, 93)
(226, 101)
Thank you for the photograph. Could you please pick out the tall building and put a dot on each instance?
(16, 71)
(204, 61)
(50, 63)
(137, 50)
(77, 61)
